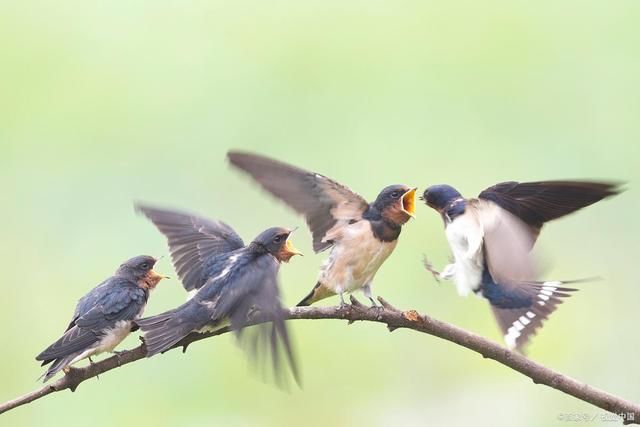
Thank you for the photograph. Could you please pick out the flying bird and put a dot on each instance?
(104, 317)
(228, 281)
(491, 238)
(361, 235)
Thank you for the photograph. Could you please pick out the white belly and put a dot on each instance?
(465, 236)
(114, 336)
(109, 341)
(355, 259)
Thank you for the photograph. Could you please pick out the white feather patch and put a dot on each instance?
(230, 263)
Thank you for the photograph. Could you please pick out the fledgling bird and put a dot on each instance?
(491, 238)
(104, 317)
(361, 235)
(228, 283)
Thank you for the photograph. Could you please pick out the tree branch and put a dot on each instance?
(394, 319)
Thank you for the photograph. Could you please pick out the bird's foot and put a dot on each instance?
(118, 354)
(91, 363)
(429, 267)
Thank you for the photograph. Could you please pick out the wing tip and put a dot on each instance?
(239, 158)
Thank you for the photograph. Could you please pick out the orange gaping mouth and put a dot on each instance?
(288, 251)
(409, 202)
(153, 278)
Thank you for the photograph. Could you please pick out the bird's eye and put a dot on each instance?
(144, 266)
(277, 239)
(395, 194)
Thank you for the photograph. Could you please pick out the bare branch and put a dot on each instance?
(394, 319)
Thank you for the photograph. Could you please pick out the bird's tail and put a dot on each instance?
(162, 332)
(318, 292)
(57, 365)
(520, 316)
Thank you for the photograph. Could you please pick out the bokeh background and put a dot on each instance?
(105, 103)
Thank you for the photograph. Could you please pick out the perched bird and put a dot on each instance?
(229, 283)
(104, 316)
(361, 235)
(491, 238)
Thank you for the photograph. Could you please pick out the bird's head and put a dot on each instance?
(140, 269)
(441, 196)
(276, 241)
(397, 203)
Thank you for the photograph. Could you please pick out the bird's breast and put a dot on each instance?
(356, 258)
(469, 260)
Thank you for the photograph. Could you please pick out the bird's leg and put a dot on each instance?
(91, 363)
(342, 303)
(366, 289)
(429, 267)
(448, 271)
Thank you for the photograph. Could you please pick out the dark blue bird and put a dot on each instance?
(103, 317)
(228, 283)
(491, 238)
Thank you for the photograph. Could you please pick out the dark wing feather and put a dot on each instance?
(538, 202)
(519, 303)
(256, 293)
(192, 240)
(323, 202)
(74, 340)
(118, 302)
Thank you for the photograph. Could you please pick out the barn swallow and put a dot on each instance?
(361, 235)
(104, 316)
(228, 281)
(491, 238)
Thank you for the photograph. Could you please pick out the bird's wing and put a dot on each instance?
(507, 243)
(256, 293)
(117, 303)
(519, 303)
(192, 240)
(326, 205)
(538, 202)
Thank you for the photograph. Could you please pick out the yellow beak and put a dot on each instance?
(155, 276)
(409, 202)
(290, 250)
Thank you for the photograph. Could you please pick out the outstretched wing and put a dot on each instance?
(116, 303)
(192, 240)
(519, 302)
(256, 293)
(538, 202)
(507, 243)
(326, 205)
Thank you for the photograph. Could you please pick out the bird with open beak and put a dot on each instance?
(229, 283)
(104, 317)
(361, 235)
(491, 238)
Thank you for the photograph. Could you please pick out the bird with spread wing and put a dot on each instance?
(360, 235)
(491, 238)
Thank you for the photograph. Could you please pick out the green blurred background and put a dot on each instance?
(104, 103)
